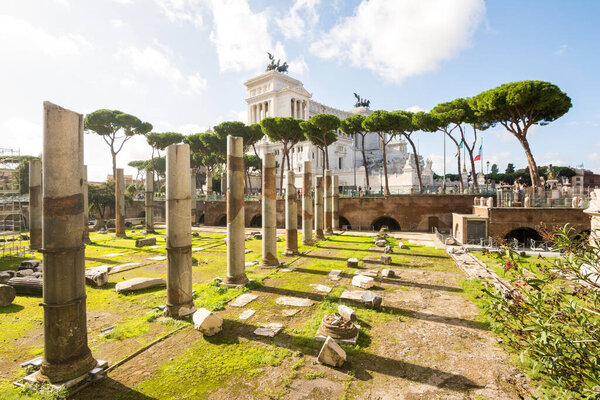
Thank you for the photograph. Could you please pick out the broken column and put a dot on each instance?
(120, 203)
(35, 204)
(319, 208)
(335, 223)
(224, 183)
(328, 202)
(179, 233)
(269, 212)
(307, 205)
(66, 351)
(236, 269)
(149, 200)
(193, 194)
(86, 206)
(291, 216)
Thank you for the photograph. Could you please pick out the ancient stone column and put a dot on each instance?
(35, 204)
(335, 222)
(193, 194)
(86, 206)
(319, 208)
(179, 233)
(119, 203)
(307, 205)
(236, 269)
(269, 213)
(224, 183)
(66, 351)
(291, 216)
(328, 202)
(149, 200)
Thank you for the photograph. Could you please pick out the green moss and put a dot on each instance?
(314, 375)
(129, 328)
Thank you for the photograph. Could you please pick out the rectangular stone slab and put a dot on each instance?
(321, 288)
(157, 258)
(246, 314)
(268, 330)
(352, 294)
(289, 313)
(293, 301)
(243, 300)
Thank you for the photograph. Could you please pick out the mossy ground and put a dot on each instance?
(424, 311)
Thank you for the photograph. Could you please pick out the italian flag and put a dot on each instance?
(478, 155)
(460, 146)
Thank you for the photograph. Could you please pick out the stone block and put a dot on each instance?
(4, 277)
(387, 250)
(293, 301)
(388, 273)
(352, 295)
(401, 245)
(331, 353)
(134, 284)
(380, 243)
(386, 259)
(38, 274)
(29, 264)
(373, 273)
(372, 299)
(246, 314)
(97, 276)
(268, 330)
(207, 322)
(25, 272)
(347, 313)
(352, 263)
(151, 241)
(363, 282)
(7, 295)
(27, 285)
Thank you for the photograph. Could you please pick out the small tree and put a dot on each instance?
(510, 168)
(404, 125)
(285, 130)
(517, 106)
(352, 126)
(100, 197)
(325, 123)
(494, 169)
(383, 123)
(115, 128)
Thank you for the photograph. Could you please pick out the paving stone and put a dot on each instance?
(157, 258)
(290, 312)
(347, 313)
(335, 273)
(134, 284)
(197, 248)
(386, 259)
(246, 314)
(251, 263)
(207, 322)
(155, 247)
(372, 299)
(268, 330)
(352, 294)
(242, 300)
(352, 263)
(331, 353)
(321, 288)
(362, 281)
(286, 269)
(293, 301)
(113, 255)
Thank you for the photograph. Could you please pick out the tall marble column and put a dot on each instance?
(120, 203)
(193, 195)
(328, 202)
(236, 268)
(269, 212)
(35, 204)
(291, 216)
(149, 201)
(86, 206)
(307, 205)
(179, 233)
(66, 351)
(335, 223)
(319, 208)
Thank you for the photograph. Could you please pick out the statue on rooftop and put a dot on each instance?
(360, 102)
(276, 66)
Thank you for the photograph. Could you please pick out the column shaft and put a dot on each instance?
(236, 269)
(149, 200)
(35, 204)
(269, 212)
(319, 208)
(66, 351)
(307, 205)
(336, 203)
(328, 202)
(120, 203)
(193, 195)
(86, 206)
(179, 233)
(291, 215)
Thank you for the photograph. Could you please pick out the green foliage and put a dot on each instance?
(554, 321)
(312, 375)
(353, 125)
(379, 121)
(510, 168)
(285, 130)
(494, 169)
(101, 196)
(161, 141)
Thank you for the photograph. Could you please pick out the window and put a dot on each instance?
(340, 163)
(313, 155)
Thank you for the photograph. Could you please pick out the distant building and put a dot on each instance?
(128, 179)
(584, 179)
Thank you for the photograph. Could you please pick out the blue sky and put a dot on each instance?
(181, 64)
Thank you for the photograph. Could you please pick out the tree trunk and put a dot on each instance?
(412, 144)
(114, 164)
(473, 171)
(259, 166)
(385, 171)
(365, 160)
(533, 172)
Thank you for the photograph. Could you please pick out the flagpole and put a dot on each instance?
(481, 158)
(444, 181)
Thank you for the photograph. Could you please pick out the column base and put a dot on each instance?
(180, 311)
(63, 372)
(269, 263)
(289, 252)
(329, 232)
(236, 281)
(320, 237)
(307, 243)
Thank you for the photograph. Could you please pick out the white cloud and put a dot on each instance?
(594, 156)
(123, 2)
(415, 109)
(156, 63)
(399, 39)
(117, 23)
(298, 66)
(293, 25)
(18, 35)
(561, 50)
(24, 135)
(182, 10)
(241, 36)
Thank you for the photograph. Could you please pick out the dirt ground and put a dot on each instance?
(425, 342)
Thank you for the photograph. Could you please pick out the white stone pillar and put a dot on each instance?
(328, 203)
(236, 269)
(291, 216)
(292, 108)
(319, 208)
(149, 201)
(307, 205)
(35, 204)
(86, 206)
(179, 233)
(269, 212)
(336, 203)
(193, 195)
